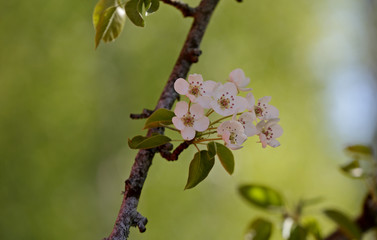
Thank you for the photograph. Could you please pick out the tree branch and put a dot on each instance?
(128, 215)
(366, 221)
(173, 156)
(145, 114)
(186, 10)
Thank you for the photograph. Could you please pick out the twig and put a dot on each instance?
(186, 10)
(128, 215)
(165, 150)
(145, 114)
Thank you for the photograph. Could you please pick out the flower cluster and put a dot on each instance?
(247, 117)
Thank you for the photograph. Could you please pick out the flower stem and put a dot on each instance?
(210, 111)
(196, 147)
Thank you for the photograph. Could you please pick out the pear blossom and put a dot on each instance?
(268, 131)
(247, 119)
(262, 110)
(195, 89)
(188, 121)
(226, 102)
(237, 76)
(232, 132)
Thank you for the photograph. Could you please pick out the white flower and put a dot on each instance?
(189, 121)
(262, 110)
(268, 131)
(232, 132)
(237, 76)
(195, 89)
(246, 119)
(226, 102)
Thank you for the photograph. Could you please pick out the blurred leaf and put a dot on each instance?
(155, 4)
(200, 167)
(141, 142)
(298, 233)
(108, 20)
(360, 150)
(312, 227)
(344, 223)
(159, 118)
(261, 196)
(226, 157)
(353, 169)
(260, 229)
(212, 149)
(133, 13)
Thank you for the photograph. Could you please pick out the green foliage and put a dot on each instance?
(159, 118)
(200, 167)
(260, 229)
(298, 233)
(261, 196)
(353, 169)
(133, 10)
(360, 150)
(141, 142)
(108, 20)
(313, 229)
(344, 223)
(225, 155)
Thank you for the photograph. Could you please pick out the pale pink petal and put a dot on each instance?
(240, 104)
(191, 97)
(231, 88)
(261, 125)
(277, 130)
(264, 100)
(196, 111)
(204, 101)
(236, 76)
(234, 146)
(271, 122)
(188, 133)
(178, 123)
(181, 108)
(274, 143)
(250, 101)
(240, 138)
(181, 86)
(195, 79)
(270, 112)
(208, 87)
(201, 124)
(225, 136)
(245, 89)
(250, 130)
(263, 140)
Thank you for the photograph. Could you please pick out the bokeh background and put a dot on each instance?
(64, 114)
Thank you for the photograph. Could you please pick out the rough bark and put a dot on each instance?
(128, 215)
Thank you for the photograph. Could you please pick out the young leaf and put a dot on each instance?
(298, 233)
(344, 223)
(141, 142)
(212, 149)
(360, 150)
(155, 4)
(133, 13)
(260, 229)
(159, 118)
(353, 169)
(226, 157)
(312, 227)
(261, 196)
(200, 167)
(108, 20)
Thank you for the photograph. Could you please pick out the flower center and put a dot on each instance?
(258, 111)
(269, 134)
(188, 120)
(194, 90)
(233, 138)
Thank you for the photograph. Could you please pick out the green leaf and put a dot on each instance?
(133, 13)
(345, 224)
(155, 4)
(261, 196)
(200, 167)
(212, 149)
(360, 150)
(141, 142)
(353, 169)
(298, 233)
(108, 20)
(159, 118)
(226, 157)
(260, 229)
(312, 227)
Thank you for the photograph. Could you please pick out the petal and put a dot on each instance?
(277, 130)
(195, 79)
(261, 125)
(237, 76)
(263, 140)
(208, 87)
(188, 133)
(191, 97)
(196, 111)
(178, 123)
(240, 104)
(181, 86)
(245, 89)
(225, 136)
(201, 124)
(250, 101)
(264, 100)
(274, 143)
(231, 88)
(240, 138)
(270, 112)
(181, 108)
(234, 146)
(250, 130)
(204, 101)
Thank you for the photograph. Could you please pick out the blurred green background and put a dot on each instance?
(64, 114)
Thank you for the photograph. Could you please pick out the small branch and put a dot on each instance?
(145, 114)
(366, 221)
(186, 10)
(165, 150)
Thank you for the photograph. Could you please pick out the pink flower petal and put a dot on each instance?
(181, 108)
(178, 123)
(274, 143)
(277, 130)
(188, 133)
(201, 124)
(181, 86)
(195, 79)
(240, 104)
(270, 112)
(204, 101)
(231, 88)
(196, 111)
(208, 87)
